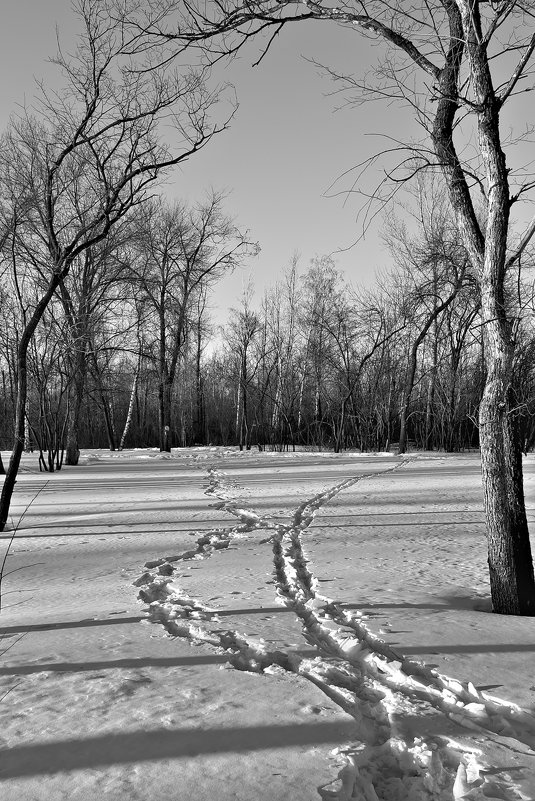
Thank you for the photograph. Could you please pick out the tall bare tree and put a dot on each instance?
(181, 252)
(457, 65)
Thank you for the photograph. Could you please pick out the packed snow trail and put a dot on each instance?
(383, 691)
(328, 625)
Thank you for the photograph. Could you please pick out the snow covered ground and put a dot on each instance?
(216, 625)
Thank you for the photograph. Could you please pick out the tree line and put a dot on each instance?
(126, 354)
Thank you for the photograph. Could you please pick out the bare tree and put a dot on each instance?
(48, 379)
(458, 65)
(91, 293)
(431, 268)
(70, 174)
(242, 331)
(182, 251)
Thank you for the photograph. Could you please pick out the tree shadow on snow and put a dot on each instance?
(142, 746)
(444, 603)
(472, 648)
(112, 664)
(71, 624)
(114, 621)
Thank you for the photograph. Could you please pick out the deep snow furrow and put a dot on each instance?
(295, 584)
(342, 633)
(186, 617)
(417, 772)
(216, 539)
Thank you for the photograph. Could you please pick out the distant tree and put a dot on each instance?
(181, 251)
(241, 335)
(200, 331)
(90, 293)
(48, 379)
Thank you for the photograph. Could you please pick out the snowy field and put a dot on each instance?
(260, 627)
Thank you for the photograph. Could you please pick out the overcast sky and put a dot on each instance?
(285, 148)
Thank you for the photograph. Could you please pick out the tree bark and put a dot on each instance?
(512, 579)
(510, 561)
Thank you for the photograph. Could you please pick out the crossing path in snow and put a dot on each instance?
(391, 698)
(269, 571)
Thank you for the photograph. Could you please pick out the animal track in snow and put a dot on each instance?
(357, 670)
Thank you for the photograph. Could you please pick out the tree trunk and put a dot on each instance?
(510, 561)
(129, 414)
(430, 401)
(512, 580)
(27, 436)
(164, 398)
(108, 419)
(72, 449)
(199, 435)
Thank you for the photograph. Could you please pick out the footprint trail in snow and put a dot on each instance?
(392, 699)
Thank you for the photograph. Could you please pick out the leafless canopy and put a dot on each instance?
(458, 65)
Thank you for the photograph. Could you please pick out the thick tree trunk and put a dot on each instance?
(510, 560)
(512, 580)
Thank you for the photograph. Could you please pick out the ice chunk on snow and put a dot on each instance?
(461, 788)
(467, 780)
(476, 709)
(472, 690)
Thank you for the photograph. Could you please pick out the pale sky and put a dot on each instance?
(285, 147)
(283, 151)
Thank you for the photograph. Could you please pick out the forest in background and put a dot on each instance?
(126, 354)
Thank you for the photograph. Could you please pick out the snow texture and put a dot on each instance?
(253, 680)
(356, 669)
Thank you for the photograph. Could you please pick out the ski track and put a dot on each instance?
(356, 669)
